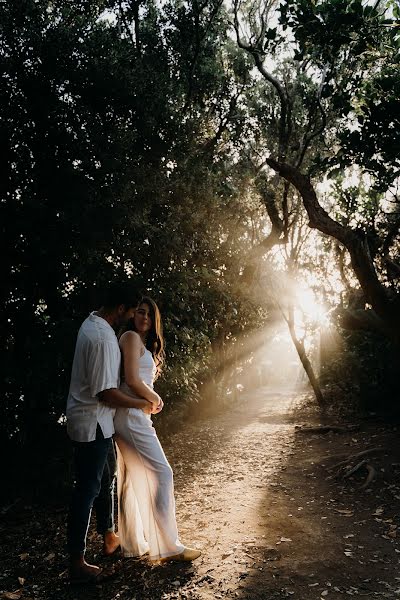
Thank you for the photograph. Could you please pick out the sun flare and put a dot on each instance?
(309, 308)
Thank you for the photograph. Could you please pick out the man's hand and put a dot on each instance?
(148, 407)
(115, 398)
(151, 408)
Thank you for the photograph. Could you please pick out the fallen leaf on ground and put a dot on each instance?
(50, 556)
(12, 595)
(345, 512)
(378, 511)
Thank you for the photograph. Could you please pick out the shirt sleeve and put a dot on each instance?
(103, 367)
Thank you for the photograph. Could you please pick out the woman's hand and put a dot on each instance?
(159, 407)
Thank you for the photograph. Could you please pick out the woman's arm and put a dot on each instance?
(131, 346)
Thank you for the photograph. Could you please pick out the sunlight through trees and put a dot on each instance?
(239, 161)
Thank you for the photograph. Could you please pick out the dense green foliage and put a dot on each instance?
(330, 111)
(109, 171)
(133, 138)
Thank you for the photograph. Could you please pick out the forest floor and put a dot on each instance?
(254, 494)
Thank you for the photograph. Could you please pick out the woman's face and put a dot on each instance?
(142, 319)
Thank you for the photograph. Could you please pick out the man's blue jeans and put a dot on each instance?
(95, 469)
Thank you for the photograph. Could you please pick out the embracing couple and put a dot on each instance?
(101, 407)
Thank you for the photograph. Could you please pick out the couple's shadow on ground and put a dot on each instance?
(135, 579)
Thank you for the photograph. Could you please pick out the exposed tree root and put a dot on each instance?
(370, 477)
(352, 464)
(352, 470)
(353, 457)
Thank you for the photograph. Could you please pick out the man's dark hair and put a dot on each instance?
(117, 293)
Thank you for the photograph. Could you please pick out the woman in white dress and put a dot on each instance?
(146, 504)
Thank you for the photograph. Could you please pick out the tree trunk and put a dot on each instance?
(305, 360)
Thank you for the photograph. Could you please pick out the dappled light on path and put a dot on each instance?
(221, 482)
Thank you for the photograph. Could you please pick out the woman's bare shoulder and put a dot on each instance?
(130, 337)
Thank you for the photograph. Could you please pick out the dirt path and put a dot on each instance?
(222, 470)
(253, 495)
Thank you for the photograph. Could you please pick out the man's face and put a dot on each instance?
(123, 316)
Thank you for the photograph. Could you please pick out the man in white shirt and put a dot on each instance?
(93, 396)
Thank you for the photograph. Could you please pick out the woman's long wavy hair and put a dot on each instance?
(155, 337)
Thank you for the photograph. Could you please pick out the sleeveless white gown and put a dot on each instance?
(146, 503)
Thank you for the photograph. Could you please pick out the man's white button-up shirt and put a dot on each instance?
(96, 367)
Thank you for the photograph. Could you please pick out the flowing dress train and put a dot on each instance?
(146, 503)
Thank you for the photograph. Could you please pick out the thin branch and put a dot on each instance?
(224, 122)
(126, 24)
(198, 10)
(257, 54)
(390, 237)
(393, 268)
(309, 138)
(340, 252)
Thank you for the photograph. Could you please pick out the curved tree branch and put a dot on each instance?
(354, 240)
